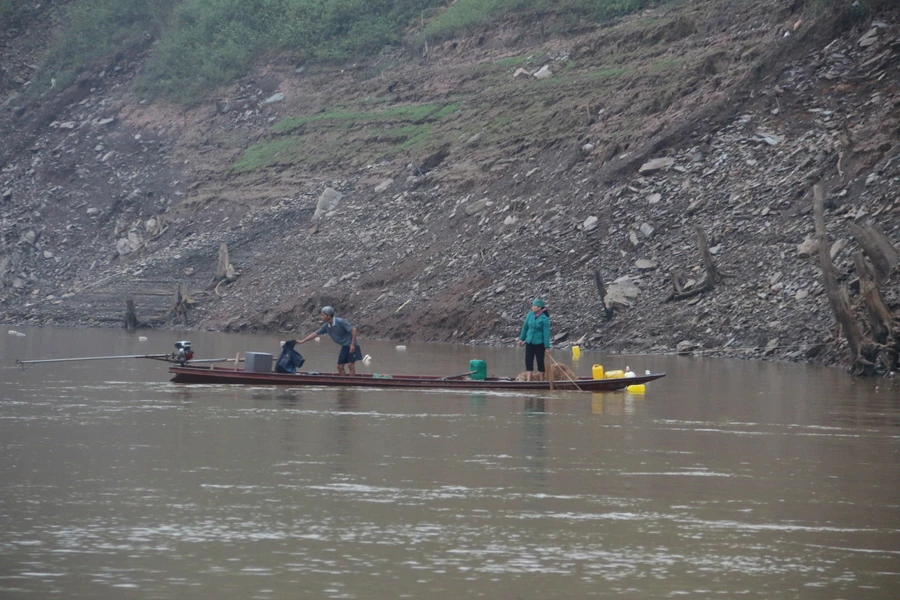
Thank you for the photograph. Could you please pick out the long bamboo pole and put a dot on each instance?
(83, 358)
(56, 360)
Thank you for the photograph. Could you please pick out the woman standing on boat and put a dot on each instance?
(535, 336)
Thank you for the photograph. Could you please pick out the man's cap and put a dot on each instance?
(538, 302)
(327, 310)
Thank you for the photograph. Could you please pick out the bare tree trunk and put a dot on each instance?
(712, 273)
(837, 296)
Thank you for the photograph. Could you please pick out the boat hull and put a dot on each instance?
(220, 375)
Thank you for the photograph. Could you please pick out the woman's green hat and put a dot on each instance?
(538, 302)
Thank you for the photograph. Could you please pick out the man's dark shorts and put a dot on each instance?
(347, 357)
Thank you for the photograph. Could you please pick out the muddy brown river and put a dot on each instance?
(726, 479)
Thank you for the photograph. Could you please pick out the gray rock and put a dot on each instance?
(476, 207)
(123, 247)
(544, 72)
(279, 97)
(328, 201)
(645, 265)
(621, 293)
(807, 248)
(383, 186)
(657, 164)
(590, 223)
(686, 347)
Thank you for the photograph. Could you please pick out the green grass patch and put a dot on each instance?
(665, 64)
(466, 15)
(415, 114)
(415, 136)
(606, 73)
(348, 135)
(269, 154)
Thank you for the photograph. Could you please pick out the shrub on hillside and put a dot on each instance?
(203, 44)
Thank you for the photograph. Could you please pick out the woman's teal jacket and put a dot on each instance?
(536, 329)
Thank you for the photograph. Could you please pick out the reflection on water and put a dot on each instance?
(534, 444)
(725, 479)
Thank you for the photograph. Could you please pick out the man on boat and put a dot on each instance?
(343, 334)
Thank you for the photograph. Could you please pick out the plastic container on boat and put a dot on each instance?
(616, 374)
(257, 362)
(478, 369)
(597, 371)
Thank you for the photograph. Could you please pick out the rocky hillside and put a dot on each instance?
(430, 193)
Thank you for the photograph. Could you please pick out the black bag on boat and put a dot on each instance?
(290, 360)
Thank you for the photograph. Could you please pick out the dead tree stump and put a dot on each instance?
(225, 272)
(131, 321)
(711, 274)
(881, 321)
(180, 307)
(601, 289)
(861, 351)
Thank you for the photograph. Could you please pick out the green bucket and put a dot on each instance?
(478, 369)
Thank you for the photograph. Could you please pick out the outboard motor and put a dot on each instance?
(183, 352)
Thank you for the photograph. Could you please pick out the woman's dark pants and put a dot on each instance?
(534, 351)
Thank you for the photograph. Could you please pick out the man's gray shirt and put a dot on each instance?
(339, 330)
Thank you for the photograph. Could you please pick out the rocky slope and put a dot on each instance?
(430, 195)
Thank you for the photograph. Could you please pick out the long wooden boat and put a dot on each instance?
(223, 375)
